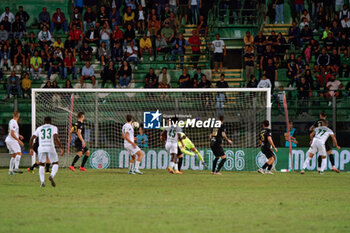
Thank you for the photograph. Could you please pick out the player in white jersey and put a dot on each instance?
(47, 135)
(173, 135)
(14, 143)
(320, 136)
(131, 146)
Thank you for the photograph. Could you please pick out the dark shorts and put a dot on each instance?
(217, 149)
(179, 151)
(79, 146)
(182, 10)
(36, 146)
(20, 57)
(89, 77)
(218, 57)
(328, 147)
(267, 152)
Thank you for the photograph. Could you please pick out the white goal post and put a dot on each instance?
(243, 109)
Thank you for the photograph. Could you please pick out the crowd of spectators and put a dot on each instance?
(315, 51)
(122, 39)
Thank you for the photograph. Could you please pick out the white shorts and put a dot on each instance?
(319, 147)
(132, 150)
(171, 147)
(13, 147)
(51, 155)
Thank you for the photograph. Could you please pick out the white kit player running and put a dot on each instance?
(131, 147)
(173, 136)
(47, 135)
(320, 136)
(14, 143)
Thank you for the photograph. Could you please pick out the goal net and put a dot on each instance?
(105, 110)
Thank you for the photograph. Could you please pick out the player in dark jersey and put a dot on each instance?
(215, 144)
(180, 158)
(80, 145)
(266, 143)
(318, 123)
(36, 164)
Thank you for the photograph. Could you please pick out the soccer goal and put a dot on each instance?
(196, 109)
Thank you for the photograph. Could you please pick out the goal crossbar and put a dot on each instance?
(37, 97)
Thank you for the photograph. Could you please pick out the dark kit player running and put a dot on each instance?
(216, 146)
(318, 123)
(266, 143)
(80, 145)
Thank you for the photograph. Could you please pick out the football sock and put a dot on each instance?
(324, 164)
(307, 160)
(176, 167)
(76, 158)
(265, 166)
(42, 174)
(12, 164)
(171, 164)
(17, 159)
(319, 162)
(84, 160)
(222, 162)
(47, 167)
(131, 166)
(33, 166)
(199, 155)
(179, 163)
(331, 159)
(269, 167)
(137, 164)
(214, 164)
(54, 170)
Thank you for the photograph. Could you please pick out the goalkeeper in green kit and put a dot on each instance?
(189, 148)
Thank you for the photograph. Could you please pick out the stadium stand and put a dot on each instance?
(122, 22)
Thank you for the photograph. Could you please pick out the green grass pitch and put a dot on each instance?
(113, 201)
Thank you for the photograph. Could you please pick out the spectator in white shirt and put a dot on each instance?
(345, 22)
(164, 79)
(344, 12)
(7, 13)
(219, 52)
(333, 85)
(44, 37)
(131, 54)
(264, 82)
